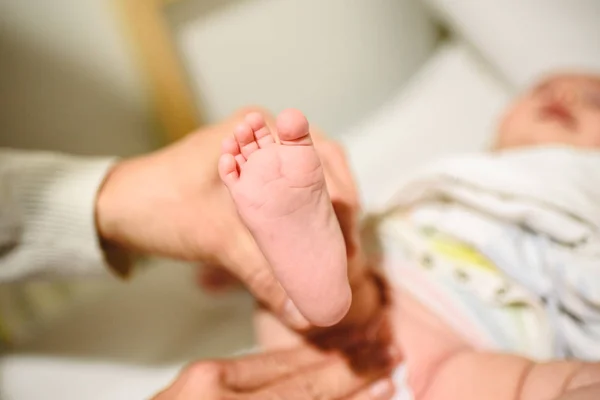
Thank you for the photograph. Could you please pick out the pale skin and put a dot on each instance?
(441, 364)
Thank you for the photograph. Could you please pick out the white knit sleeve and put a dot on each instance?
(47, 222)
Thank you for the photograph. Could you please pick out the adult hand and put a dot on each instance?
(172, 203)
(292, 374)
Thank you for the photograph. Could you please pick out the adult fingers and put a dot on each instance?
(347, 217)
(215, 379)
(333, 379)
(338, 174)
(342, 190)
(258, 370)
(382, 389)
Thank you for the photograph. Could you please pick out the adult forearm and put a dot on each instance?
(47, 214)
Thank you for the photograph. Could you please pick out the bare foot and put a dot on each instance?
(280, 193)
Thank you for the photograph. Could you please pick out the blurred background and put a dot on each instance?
(398, 82)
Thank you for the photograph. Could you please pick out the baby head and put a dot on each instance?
(563, 109)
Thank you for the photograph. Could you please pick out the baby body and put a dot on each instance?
(482, 300)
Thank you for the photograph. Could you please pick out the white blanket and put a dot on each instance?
(536, 214)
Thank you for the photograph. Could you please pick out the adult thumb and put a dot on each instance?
(254, 271)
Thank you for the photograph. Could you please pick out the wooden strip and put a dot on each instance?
(151, 38)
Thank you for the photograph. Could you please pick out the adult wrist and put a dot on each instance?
(118, 258)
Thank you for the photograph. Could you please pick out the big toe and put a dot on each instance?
(292, 127)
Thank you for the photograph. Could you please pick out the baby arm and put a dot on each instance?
(442, 365)
(475, 375)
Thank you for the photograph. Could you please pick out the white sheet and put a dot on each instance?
(527, 39)
(450, 107)
(551, 190)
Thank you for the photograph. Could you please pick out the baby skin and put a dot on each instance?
(278, 187)
(280, 193)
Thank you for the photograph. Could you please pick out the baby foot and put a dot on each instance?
(279, 191)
